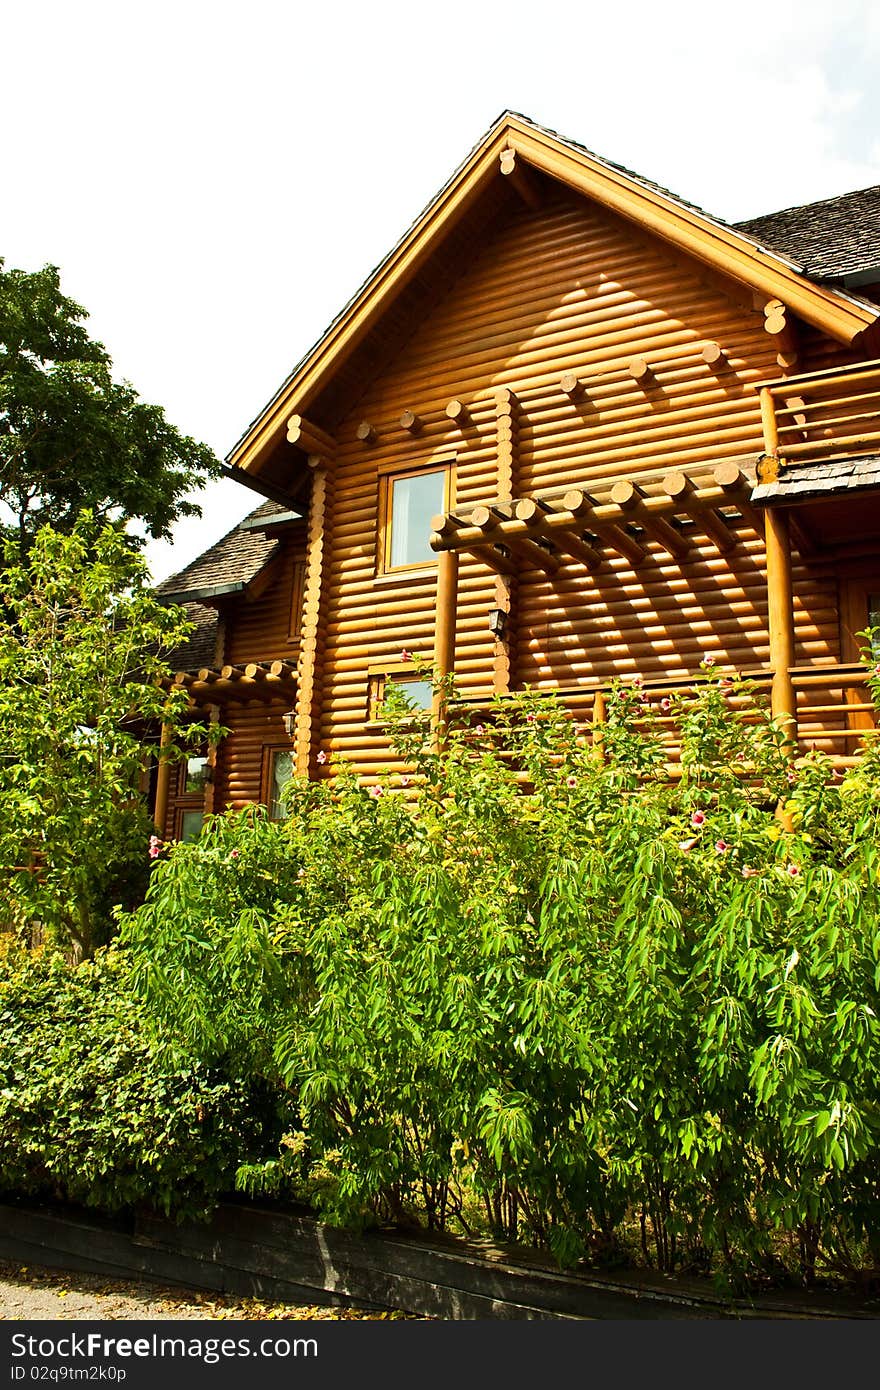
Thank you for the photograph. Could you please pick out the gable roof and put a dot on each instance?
(834, 239)
(733, 251)
(228, 566)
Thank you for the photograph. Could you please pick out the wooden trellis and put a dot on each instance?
(549, 532)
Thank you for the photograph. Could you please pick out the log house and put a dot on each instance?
(573, 407)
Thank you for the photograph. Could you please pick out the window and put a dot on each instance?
(190, 827)
(420, 692)
(874, 624)
(280, 773)
(194, 775)
(407, 503)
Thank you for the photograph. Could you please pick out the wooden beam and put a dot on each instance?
(630, 498)
(780, 617)
(732, 481)
(768, 421)
(534, 555)
(779, 324)
(457, 410)
(713, 354)
(598, 721)
(520, 179)
(533, 510)
(366, 433)
(678, 486)
(628, 503)
(444, 523)
(572, 386)
(163, 781)
(496, 557)
(444, 641)
(310, 437)
(308, 691)
(411, 422)
(581, 504)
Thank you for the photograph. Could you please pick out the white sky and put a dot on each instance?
(215, 179)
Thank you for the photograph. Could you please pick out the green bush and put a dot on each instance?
(82, 683)
(92, 1112)
(557, 986)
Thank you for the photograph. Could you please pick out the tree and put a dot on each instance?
(70, 436)
(81, 693)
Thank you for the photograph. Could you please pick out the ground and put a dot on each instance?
(28, 1291)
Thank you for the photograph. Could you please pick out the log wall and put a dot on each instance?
(567, 289)
(261, 629)
(564, 289)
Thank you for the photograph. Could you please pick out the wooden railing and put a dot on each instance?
(834, 708)
(822, 414)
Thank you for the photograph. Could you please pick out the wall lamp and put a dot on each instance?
(497, 620)
(289, 722)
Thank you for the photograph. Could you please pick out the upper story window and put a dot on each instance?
(408, 501)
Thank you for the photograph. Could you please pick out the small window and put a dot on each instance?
(419, 692)
(408, 504)
(195, 775)
(280, 773)
(191, 823)
(874, 624)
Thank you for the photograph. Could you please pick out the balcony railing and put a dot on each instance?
(834, 709)
(823, 415)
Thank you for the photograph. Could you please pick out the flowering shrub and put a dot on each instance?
(549, 981)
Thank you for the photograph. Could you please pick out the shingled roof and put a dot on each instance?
(833, 239)
(228, 566)
(200, 648)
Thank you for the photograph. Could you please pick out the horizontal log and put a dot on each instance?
(310, 437)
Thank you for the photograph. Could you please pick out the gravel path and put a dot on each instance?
(32, 1292)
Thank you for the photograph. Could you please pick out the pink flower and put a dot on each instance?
(740, 757)
(406, 655)
(322, 757)
(698, 819)
(155, 846)
(687, 845)
(709, 660)
(479, 731)
(792, 870)
(530, 718)
(375, 791)
(404, 781)
(721, 846)
(638, 680)
(233, 854)
(875, 670)
(666, 704)
(571, 781)
(791, 776)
